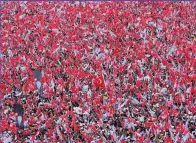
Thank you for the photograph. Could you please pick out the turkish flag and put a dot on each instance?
(74, 90)
(99, 82)
(44, 79)
(3, 88)
(4, 124)
(148, 124)
(167, 126)
(122, 141)
(138, 83)
(13, 128)
(116, 51)
(165, 114)
(168, 140)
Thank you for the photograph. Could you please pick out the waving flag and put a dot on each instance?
(99, 82)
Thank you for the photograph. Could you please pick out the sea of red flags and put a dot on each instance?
(98, 72)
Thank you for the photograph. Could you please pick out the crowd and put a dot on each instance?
(111, 72)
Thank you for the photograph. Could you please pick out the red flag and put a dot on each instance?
(148, 124)
(74, 90)
(123, 141)
(99, 82)
(13, 128)
(167, 126)
(168, 140)
(116, 51)
(138, 83)
(4, 124)
(44, 79)
(113, 101)
(12, 114)
(164, 114)
(174, 113)
(99, 141)
(164, 61)
(60, 81)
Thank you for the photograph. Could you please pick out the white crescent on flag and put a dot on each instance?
(100, 81)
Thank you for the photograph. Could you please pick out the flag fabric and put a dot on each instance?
(99, 82)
